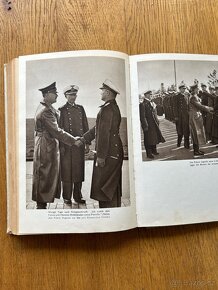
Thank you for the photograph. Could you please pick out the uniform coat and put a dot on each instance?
(196, 120)
(215, 121)
(106, 181)
(209, 117)
(181, 108)
(74, 121)
(150, 124)
(46, 159)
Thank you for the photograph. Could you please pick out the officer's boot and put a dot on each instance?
(186, 143)
(179, 140)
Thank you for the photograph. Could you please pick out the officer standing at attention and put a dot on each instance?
(74, 121)
(107, 169)
(181, 115)
(150, 125)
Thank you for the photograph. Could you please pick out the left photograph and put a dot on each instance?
(76, 133)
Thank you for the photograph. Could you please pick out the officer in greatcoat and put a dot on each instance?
(181, 116)
(209, 116)
(150, 125)
(196, 120)
(108, 160)
(46, 160)
(204, 96)
(74, 121)
(215, 117)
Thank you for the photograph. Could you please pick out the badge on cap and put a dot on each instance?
(71, 89)
(182, 85)
(49, 88)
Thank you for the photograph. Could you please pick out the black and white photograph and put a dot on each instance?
(76, 133)
(178, 107)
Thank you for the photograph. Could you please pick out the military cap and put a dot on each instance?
(193, 87)
(203, 85)
(147, 92)
(215, 84)
(48, 89)
(182, 85)
(107, 84)
(71, 89)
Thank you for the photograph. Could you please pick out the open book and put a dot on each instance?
(99, 141)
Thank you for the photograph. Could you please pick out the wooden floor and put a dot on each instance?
(181, 257)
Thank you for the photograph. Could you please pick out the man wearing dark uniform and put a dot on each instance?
(74, 121)
(215, 117)
(150, 125)
(181, 116)
(210, 117)
(46, 160)
(203, 94)
(107, 168)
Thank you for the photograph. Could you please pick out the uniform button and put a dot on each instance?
(114, 135)
(69, 118)
(117, 155)
(116, 145)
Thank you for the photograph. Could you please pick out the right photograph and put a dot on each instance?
(178, 107)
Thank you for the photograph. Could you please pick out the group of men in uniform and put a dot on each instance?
(182, 108)
(61, 141)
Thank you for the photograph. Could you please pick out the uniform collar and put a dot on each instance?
(49, 107)
(108, 103)
(74, 105)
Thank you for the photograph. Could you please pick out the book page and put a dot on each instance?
(90, 196)
(175, 137)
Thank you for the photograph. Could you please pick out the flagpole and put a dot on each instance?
(175, 74)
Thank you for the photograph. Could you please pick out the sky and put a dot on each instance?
(152, 73)
(86, 72)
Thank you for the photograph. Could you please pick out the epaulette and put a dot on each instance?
(63, 107)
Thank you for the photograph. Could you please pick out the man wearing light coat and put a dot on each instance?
(46, 160)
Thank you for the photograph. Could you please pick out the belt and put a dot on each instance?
(41, 134)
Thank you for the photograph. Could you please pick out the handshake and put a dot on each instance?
(80, 142)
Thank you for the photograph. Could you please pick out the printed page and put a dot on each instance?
(64, 188)
(175, 137)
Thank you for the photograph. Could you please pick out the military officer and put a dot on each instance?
(107, 168)
(196, 120)
(210, 117)
(46, 159)
(215, 117)
(150, 125)
(181, 116)
(203, 94)
(74, 121)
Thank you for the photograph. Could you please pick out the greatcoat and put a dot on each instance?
(196, 120)
(150, 124)
(215, 121)
(74, 121)
(46, 159)
(210, 117)
(181, 112)
(107, 180)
